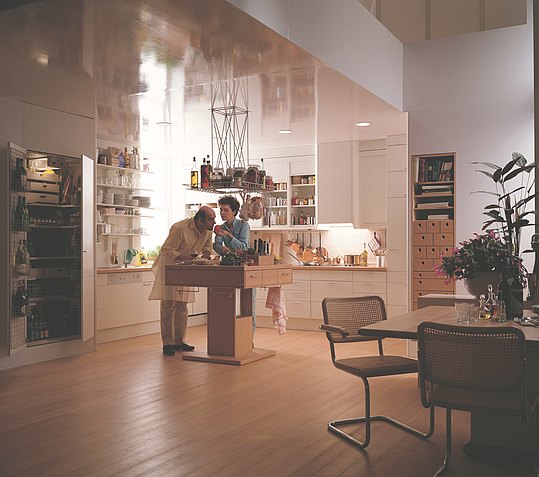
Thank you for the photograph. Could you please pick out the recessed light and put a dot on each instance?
(362, 124)
(285, 131)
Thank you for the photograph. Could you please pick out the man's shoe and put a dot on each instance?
(168, 350)
(183, 347)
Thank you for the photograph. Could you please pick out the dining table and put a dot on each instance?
(491, 436)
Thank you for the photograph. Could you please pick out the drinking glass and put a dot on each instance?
(462, 313)
(473, 313)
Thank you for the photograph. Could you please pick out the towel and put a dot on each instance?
(275, 301)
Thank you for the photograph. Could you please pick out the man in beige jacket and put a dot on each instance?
(186, 238)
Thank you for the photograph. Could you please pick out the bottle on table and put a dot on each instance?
(491, 304)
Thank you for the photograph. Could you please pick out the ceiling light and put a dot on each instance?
(362, 124)
(285, 131)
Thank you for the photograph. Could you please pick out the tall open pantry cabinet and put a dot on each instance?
(433, 225)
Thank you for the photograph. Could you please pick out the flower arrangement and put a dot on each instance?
(482, 253)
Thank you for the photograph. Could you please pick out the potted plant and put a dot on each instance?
(507, 217)
(479, 261)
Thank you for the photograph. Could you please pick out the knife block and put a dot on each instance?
(258, 259)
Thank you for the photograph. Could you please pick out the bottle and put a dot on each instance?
(262, 176)
(18, 177)
(127, 161)
(194, 174)
(204, 175)
(491, 305)
(22, 259)
(136, 159)
(363, 257)
(20, 299)
(20, 217)
(301, 218)
(484, 312)
(210, 165)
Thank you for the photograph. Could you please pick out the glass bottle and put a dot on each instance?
(18, 177)
(363, 257)
(194, 174)
(262, 175)
(20, 217)
(484, 312)
(22, 259)
(491, 303)
(204, 175)
(20, 299)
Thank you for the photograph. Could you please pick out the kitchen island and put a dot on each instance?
(230, 338)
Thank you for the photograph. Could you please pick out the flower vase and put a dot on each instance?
(479, 283)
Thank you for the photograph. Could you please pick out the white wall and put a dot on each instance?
(472, 94)
(343, 34)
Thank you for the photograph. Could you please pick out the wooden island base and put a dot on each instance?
(230, 335)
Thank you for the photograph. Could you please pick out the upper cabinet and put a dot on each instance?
(336, 167)
(372, 189)
(352, 183)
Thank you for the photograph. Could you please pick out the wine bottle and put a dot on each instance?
(19, 175)
(20, 300)
(262, 176)
(20, 217)
(194, 174)
(204, 175)
(22, 259)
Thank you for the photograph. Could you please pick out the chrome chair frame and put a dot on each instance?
(346, 336)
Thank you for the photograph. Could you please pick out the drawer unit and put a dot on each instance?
(421, 251)
(423, 264)
(297, 295)
(36, 198)
(437, 251)
(447, 226)
(330, 288)
(370, 276)
(42, 177)
(432, 284)
(422, 239)
(443, 239)
(284, 277)
(332, 275)
(362, 289)
(44, 187)
(422, 274)
(253, 278)
(270, 276)
(298, 309)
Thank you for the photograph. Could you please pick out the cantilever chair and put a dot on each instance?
(474, 369)
(343, 317)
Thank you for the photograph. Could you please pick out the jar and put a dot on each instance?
(239, 173)
(269, 183)
(252, 176)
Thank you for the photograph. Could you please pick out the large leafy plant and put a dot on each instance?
(514, 191)
(482, 253)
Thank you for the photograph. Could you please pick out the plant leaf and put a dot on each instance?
(488, 164)
(516, 172)
(488, 174)
(497, 175)
(521, 202)
(493, 206)
(484, 192)
(519, 159)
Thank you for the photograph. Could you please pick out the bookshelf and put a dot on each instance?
(433, 221)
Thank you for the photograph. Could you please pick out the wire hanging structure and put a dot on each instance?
(230, 123)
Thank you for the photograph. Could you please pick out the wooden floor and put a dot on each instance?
(128, 410)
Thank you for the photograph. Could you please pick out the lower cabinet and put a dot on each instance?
(303, 297)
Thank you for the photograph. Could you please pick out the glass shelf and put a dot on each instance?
(125, 169)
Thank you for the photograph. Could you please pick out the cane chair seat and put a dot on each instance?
(371, 366)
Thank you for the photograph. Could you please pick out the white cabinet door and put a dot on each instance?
(277, 168)
(335, 182)
(372, 189)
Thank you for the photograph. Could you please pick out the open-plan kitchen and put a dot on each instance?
(214, 207)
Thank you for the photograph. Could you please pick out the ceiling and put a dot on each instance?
(155, 61)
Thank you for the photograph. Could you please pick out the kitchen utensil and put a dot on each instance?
(375, 243)
(321, 251)
(301, 262)
(295, 245)
(301, 248)
(309, 254)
